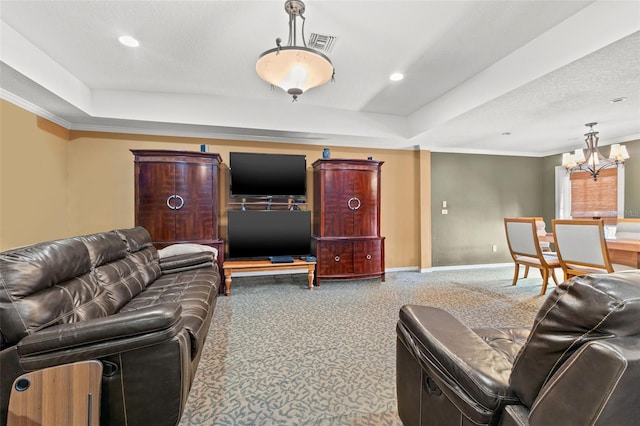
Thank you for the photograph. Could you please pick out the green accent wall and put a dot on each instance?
(480, 191)
(632, 180)
(548, 166)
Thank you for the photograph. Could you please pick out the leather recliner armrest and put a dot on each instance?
(597, 385)
(100, 337)
(474, 376)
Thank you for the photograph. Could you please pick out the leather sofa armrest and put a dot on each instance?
(185, 262)
(460, 361)
(100, 337)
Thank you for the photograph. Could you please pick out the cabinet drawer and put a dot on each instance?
(367, 257)
(334, 258)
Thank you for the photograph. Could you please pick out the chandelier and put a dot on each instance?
(295, 69)
(593, 161)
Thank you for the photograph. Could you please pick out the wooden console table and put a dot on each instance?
(231, 266)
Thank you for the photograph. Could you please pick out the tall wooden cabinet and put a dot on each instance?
(346, 219)
(177, 197)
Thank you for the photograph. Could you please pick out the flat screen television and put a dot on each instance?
(257, 234)
(267, 175)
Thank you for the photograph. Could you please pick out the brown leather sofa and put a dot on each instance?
(108, 297)
(578, 365)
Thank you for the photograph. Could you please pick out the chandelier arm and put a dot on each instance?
(304, 39)
(291, 29)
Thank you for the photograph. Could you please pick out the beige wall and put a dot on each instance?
(96, 182)
(34, 196)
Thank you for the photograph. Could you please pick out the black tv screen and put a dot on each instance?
(267, 175)
(255, 234)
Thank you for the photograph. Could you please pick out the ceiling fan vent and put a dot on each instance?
(323, 43)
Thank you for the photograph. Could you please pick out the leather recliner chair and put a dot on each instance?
(578, 365)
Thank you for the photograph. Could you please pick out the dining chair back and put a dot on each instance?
(628, 228)
(581, 246)
(524, 246)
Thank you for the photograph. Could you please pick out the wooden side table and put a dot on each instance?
(231, 266)
(67, 395)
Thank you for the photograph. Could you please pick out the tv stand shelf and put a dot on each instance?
(268, 204)
(231, 266)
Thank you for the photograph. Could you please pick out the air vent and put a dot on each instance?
(324, 43)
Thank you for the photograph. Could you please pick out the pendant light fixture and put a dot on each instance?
(295, 69)
(592, 160)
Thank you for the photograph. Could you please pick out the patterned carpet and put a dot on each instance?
(279, 354)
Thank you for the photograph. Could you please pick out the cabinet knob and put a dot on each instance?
(353, 203)
(181, 202)
(173, 206)
(368, 257)
(337, 258)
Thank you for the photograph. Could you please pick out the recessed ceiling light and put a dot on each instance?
(616, 100)
(396, 76)
(128, 41)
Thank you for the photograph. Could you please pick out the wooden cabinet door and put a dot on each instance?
(351, 203)
(367, 257)
(365, 198)
(194, 191)
(338, 190)
(156, 186)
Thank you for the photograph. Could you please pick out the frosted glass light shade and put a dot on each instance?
(294, 69)
(618, 152)
(567, 160)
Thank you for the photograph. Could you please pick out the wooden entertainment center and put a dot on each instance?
(177, 200)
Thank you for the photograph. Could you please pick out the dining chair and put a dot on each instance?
(524, 246)
(628, 228)
(582, 248)
(541, 231)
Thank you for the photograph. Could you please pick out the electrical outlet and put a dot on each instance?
(445, 211)
(494, 248)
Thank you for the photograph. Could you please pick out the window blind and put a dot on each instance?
(595, 198)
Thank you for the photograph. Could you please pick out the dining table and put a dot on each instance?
(621, 251)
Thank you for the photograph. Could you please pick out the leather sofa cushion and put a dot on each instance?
(193, 290)
(104, 247)
(505, 340)
(136, 238)
(580, 310)
(47, 284)
(148, 264)
(121, 274)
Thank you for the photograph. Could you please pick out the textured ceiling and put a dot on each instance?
(473, 70)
